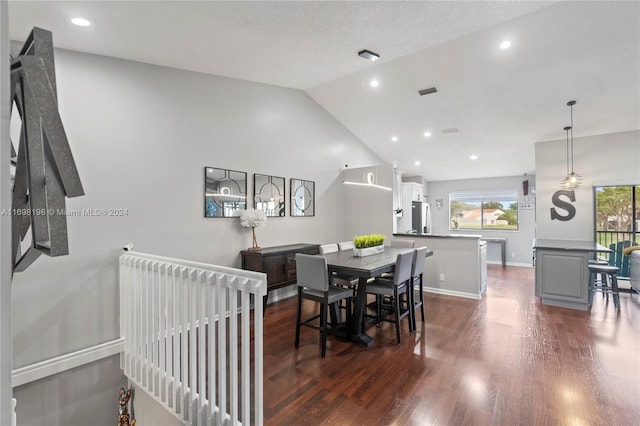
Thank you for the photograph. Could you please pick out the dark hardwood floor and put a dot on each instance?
(503, 360)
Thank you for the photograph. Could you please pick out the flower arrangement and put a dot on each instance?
(364, 241)
(252, 218)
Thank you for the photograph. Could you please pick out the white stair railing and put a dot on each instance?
(188, 337)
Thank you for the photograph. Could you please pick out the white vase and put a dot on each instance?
(367, 251)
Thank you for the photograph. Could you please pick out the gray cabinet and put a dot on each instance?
(562, 278)
(562, 274)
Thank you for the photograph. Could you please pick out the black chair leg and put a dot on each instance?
(348, 323)
(323, 327)
(298, 314)
(412, 302)
(397, 317)
(412, 313)
(421, 299)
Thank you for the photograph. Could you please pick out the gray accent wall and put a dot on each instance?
(519, 243)
(141, 136)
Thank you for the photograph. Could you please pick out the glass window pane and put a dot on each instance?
(484, 210)
(615, 214)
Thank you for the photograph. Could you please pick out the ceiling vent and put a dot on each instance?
(450, 130)
(427, 91)
(368, 55)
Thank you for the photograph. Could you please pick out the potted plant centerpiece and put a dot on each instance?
(366, 245)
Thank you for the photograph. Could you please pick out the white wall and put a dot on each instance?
(611, 159)
(141, 136)
(519, 242)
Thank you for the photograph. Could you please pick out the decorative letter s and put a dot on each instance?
(571, 210)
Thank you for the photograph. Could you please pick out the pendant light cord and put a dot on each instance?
(571, 128)
(566, 129)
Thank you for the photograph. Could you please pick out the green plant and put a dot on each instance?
(364, 241)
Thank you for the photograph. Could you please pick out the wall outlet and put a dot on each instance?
(441, 277)
(513, 254)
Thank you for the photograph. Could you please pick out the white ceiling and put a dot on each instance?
(501, 101)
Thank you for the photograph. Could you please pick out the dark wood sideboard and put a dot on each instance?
(279, 263)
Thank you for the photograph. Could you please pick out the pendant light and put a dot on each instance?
(573, 179)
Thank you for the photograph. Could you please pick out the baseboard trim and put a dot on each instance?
(526, 265)
(59, 364)
(453, 293)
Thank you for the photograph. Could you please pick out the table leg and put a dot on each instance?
(504, 253)
(357, 331)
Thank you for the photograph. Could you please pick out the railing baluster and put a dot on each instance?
(222, 355)
(213, 322)
(258, 348)
(233, 348)
(179, 319)
(184, 354)
(193, 340)
(152, 336)
(246, 352)
(202, 344)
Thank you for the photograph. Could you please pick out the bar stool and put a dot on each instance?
(603, 275)
(607, 274)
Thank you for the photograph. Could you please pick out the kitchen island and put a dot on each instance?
(458, 266)
(562, 275)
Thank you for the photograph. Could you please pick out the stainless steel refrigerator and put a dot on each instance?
(420, 217)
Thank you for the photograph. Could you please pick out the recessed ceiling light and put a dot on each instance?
(368, 55)
(81, 22)
(374, 83)
(427, 134)
(394, 139)
(417, 163)
(505, 44)
(473, 157)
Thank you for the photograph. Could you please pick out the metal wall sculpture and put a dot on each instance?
(45, 172)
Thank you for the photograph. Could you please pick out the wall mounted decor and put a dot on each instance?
(303, 194)
(43, 169)
(225, 192)
(268, 194)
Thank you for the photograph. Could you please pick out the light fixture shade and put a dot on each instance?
(370, 181)
(571, 181)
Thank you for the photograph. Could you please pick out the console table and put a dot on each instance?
(278, 262)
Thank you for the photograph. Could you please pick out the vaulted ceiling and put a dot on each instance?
(490, 102)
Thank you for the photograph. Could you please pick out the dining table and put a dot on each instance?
(345, 264)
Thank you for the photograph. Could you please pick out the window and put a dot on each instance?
(617, 214)
(484, 210)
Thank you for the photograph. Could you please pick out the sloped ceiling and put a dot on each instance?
(500, 101)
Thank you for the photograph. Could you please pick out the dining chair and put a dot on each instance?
(350, 282)
(328, 248)
(417, 271)
(314, 283)
(402, 243)
(346, 245)
(398, 285)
